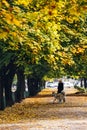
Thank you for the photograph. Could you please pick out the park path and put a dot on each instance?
(63, 124)
(71, 115)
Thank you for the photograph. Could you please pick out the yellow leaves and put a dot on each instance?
(34, 47)
(12, 46)
(3, 35)
(35, 50)
(5, 3)
(49, 24)
(16, 22)
(67, 61)
(14, 34)
(51, 60)
(66, 58)
(80, 50)
(24, 2)
(60, 5)
(0, 4)
(34, 16)
(53, 29)
(53, 10)
(84, 7)
(74, 10)
(73, 50)
(60, 53)
(69, 31)
(71, 19)
(10, 18)
(85, 46)
(56, 27)
(44, 23)
(52, 4)
(77, 50)
(17, 9)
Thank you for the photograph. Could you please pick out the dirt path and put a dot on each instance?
(39, 113)
(64, 124)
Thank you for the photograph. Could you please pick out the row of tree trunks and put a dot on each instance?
(6, 79)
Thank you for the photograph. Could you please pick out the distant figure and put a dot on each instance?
(60, 86)
(60, 91)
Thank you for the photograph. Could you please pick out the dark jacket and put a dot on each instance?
(60, 87)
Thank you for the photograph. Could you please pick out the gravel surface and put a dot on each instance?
(63, 124)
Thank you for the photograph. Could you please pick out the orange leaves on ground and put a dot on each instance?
(41, 107)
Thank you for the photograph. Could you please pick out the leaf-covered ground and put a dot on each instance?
(41, 107)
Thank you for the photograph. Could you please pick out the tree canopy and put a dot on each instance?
(46, 35)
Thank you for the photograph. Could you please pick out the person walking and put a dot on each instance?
(60, 87)
(60, 91)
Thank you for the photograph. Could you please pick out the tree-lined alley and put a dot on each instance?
(40, 38)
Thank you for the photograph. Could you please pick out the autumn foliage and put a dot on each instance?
(40, 39)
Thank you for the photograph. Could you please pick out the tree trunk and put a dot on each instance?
(81, 82)
(8, 84)
(85, 82)
(7, 73)
(2, 106)
(32, 86)
(20, 85)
